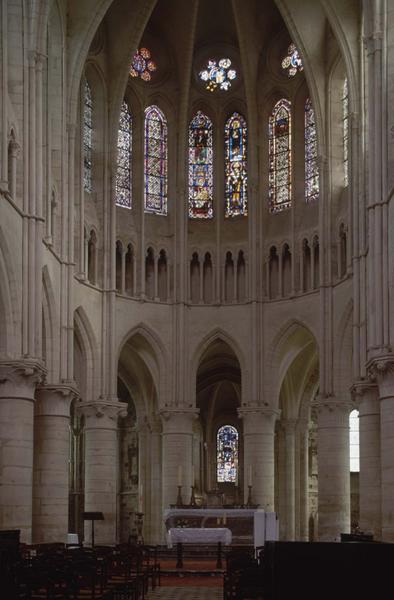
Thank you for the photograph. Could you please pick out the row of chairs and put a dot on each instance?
(54, 572)
(243, 577)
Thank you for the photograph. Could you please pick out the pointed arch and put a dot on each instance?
(50, 327)
(155, 161)
(85, 336)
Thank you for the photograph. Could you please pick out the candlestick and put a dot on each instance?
(180, 475)
(179, 501)
(250, 475)
(140, 503)
(193, 475)
(224, 519)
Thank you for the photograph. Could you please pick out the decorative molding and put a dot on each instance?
(19, 378)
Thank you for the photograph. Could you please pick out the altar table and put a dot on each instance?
(198, 535)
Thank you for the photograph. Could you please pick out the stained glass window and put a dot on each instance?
(311, 164)
(217, 75)
(87, 138)
(142, 65)
(155, 161)
(345, 120)
(227, 454)
(354, 445)
(280, 157)
(123, 166)
(235, 166)
(292, 62)
(200, 167)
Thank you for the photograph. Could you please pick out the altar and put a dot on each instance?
(239, 521)
(201, 536)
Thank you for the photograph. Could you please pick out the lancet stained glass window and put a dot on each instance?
(123, 166)
(345, 120)
(311, 164)
(227, 454)
(236, 200)
(200, 167)
(155, 161)
(354, 441)
(87, 138)
(280, 157)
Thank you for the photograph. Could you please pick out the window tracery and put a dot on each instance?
(312, 186)
(235, 138)
(123, 166)
(292, 62)
(227, 454)
(200, 167)
(217, 75)
(87, 138)
(155, 161)
(280, 157)
(142, 65)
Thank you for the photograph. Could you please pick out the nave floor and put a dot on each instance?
(186, 593)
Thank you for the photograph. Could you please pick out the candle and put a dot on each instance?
(250, 475)
(224, 519)
(193, 475)
(179, 474)
(140, 498)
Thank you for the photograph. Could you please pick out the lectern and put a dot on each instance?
(93, 516)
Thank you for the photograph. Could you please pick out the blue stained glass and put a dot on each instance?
(227, 454)
(155, 161)
(200, 167)
(312, 184)
(123, 167)
(236, 166)
(292, 62)
(279, 133)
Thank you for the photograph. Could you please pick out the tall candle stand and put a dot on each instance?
(179, 501)
(249, 501)
(139, 523)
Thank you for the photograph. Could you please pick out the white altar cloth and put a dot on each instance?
(198, 535)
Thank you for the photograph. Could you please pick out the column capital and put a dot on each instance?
(55, 400)
(102, 415)
(257, 419)
(380, 370)
(363, 391)
(289, 425)
(332, 411)
(175, 420)
(19, 378)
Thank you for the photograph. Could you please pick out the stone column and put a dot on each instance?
(101, 466)
(303, 442)
(18, 380)
(366, 395)
(289, 426)
(177, 453)
(334, 468)
(51, 463)
(258, 433)
(383, 369)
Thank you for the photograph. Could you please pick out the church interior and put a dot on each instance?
(197, 270)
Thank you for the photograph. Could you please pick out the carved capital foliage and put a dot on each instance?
(55, 400)
(102, 414)
(332, 411)
(178, 420)
(381, 371)
(258, 420)
(19, 378)
(363, 391)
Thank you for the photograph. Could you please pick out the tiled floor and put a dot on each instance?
(186, 593)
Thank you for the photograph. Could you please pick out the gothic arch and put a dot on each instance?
(84, 333)
(9, 301)
(50, 327)
(292, 339)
